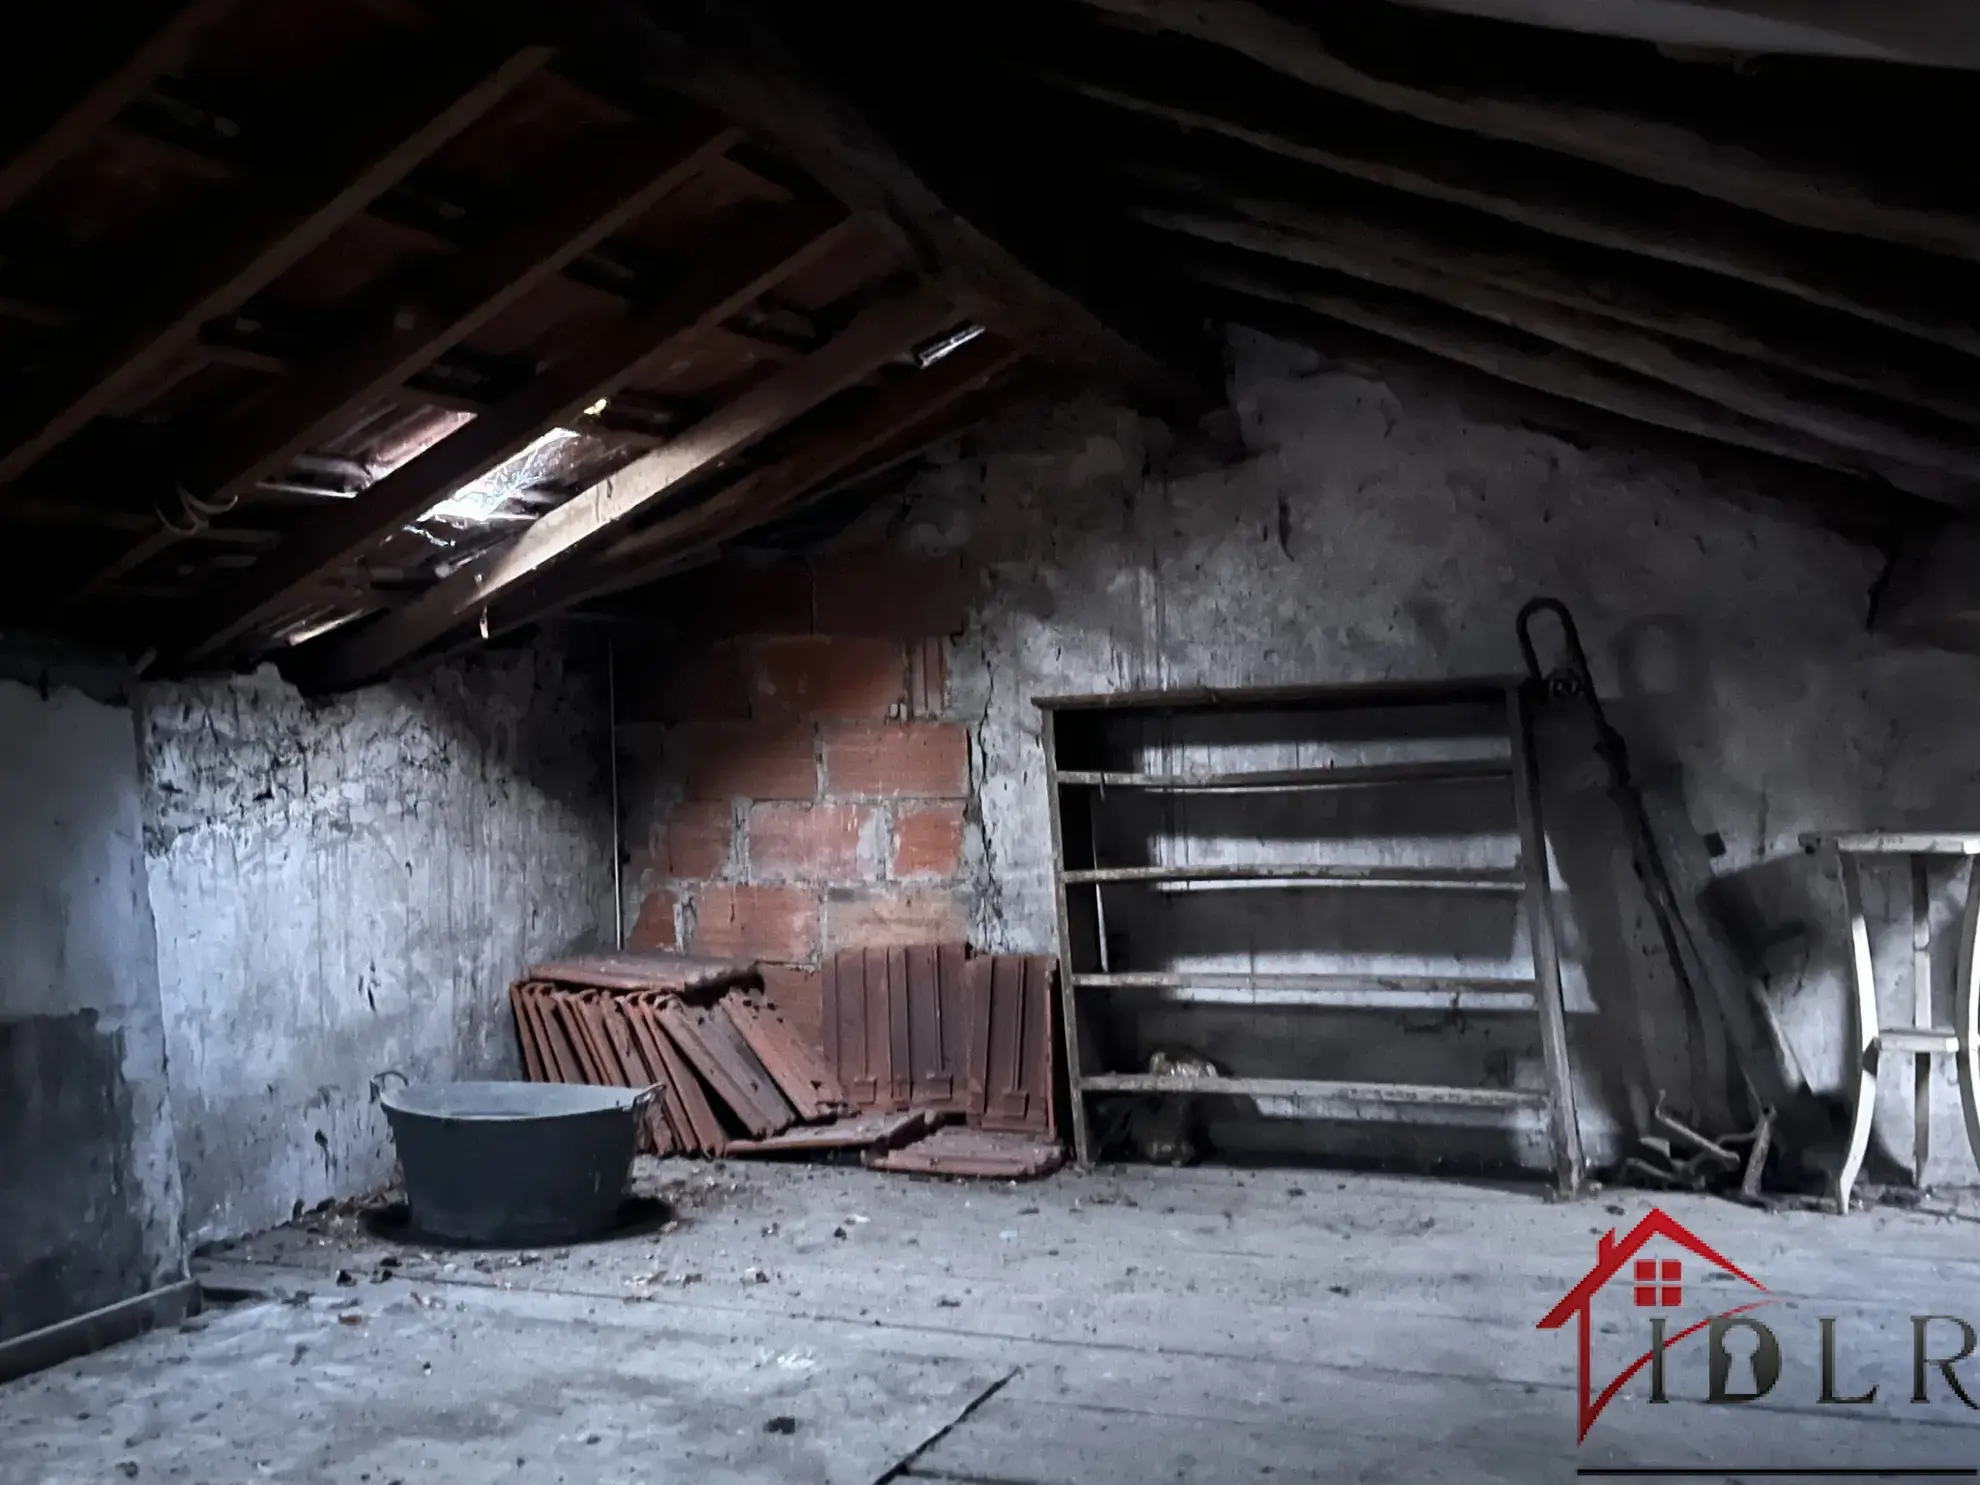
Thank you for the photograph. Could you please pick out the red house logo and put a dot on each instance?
(1653, 1283)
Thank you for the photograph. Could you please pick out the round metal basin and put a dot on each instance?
(514, 1163)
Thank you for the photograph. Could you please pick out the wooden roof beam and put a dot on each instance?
(734, 266)
(1513, 357)
(1374, 240)
(806, 473)
(736, 66)
(74, 86)
(1648, 148)
(262, 235)
(1749, 389)
(1706, 236)
(408, 332)
(602, 194)
(885, 331)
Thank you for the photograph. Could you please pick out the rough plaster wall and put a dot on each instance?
(90, 1208)
(350, 887)
(1377, 531)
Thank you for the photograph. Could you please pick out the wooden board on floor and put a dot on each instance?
(876, 1131)
(958, 1150)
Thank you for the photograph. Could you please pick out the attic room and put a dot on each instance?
(1032, 742)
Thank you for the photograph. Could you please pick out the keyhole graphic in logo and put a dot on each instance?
(1740, 1379)
(1659, 1285)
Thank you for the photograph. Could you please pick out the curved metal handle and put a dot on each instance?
(378, 1080)
(1571, 679)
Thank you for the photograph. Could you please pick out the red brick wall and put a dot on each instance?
(795, 782)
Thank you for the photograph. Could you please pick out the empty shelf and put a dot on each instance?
(1287, 780)
(1927, 1039)
(1464, 878)
(1372, 992)
(1418, 1094)
(1895, 843)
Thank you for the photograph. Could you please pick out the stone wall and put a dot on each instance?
(347, 887)
(90, 1206)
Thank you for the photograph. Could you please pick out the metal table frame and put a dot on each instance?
(1924, 1039)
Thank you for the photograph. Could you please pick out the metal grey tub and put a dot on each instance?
(514, 1162)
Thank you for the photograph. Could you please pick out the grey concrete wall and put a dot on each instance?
(349, 887)
(90, 1207)
(1376, 529)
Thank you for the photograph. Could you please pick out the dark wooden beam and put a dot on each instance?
(1836, 200)
(1703, 234)
(409, 331)
(250, 244)
(1527, 362)
(884, 332)
(734, 266)
(1377, 228)
(1750, 389)
(734, 64)
(69, 87)
(899, 421)
(1929, 33)
(767, 493)
(599, 195)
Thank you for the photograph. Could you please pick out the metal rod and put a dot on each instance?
(1457, 878)
(1428, 1095)
(1340, 776)
(618, 838)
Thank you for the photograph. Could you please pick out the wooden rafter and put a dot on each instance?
(71, 88)
(735, 66)
(1707, 236)
(735, 265)
(810, 472)
(1629, 290)
(259, 238)
(601, 194)
(411, 330)
(1749, 389)
(1647, 148)
(1516, 358)
(885, 331)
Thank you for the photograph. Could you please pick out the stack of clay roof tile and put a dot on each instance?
(916, 1039)
(942, 1029)
(732, 1075)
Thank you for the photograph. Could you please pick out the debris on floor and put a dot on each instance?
(960, 1151)
(914, 1038)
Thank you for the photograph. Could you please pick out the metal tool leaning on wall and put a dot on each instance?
(1770, 1084)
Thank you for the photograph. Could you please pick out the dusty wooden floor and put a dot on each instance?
(794, 1324)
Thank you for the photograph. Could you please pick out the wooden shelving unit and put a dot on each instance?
(1087, 739)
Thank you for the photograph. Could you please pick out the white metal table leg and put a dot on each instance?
(1863, 1035)
(1921, 1015)
(1966, 1014)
